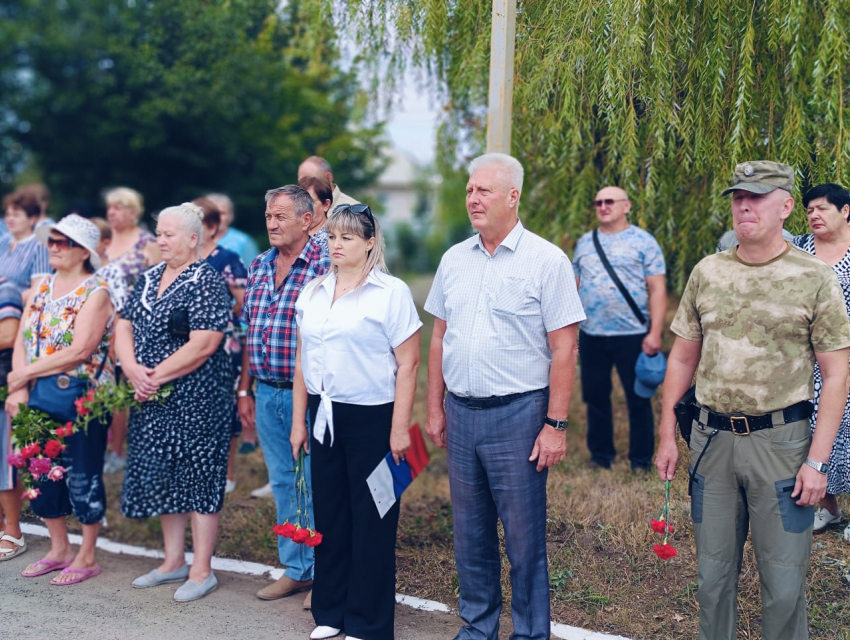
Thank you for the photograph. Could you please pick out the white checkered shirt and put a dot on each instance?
(498, 310)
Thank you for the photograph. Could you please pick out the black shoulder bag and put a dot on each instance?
(632, 304)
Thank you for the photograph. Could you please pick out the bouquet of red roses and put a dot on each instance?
(39, 440)
(662, 525)
(301, 531)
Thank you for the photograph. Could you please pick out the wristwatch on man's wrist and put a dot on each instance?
(558, 425)
(244, 393)
(820, 467)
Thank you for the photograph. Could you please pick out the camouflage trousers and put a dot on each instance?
(744, 483)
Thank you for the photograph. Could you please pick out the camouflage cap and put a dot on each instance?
(762, 176)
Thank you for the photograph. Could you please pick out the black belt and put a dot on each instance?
(744, 425)
(493, 401)
(277, 385)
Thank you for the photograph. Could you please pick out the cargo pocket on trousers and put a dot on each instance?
(697, 497)
(795, 519)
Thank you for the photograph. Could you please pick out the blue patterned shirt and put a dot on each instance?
(27, 260)
(634, 254)
(269, 314)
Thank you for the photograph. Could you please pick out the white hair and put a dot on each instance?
(191, 216)
(509, 165)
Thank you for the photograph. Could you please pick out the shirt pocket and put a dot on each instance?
(515, 296)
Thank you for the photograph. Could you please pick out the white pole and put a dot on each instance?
(500, 103)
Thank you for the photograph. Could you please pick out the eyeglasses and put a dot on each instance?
(356, 208)
(607, 202)
(61, 243)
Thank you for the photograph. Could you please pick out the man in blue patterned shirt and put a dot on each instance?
(613, 335)
(275, 280)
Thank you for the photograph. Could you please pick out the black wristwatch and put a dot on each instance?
(559, 425)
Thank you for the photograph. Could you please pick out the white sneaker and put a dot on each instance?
(823, 518)
(321, 632)
(263, 492)
(847, 533)
(229, 486)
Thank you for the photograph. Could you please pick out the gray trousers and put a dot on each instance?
(491, 478)
(745, 483)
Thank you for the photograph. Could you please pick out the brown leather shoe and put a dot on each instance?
(285, 586)
(308, 601)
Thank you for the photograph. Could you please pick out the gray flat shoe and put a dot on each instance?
(155, 578)
(193, 591)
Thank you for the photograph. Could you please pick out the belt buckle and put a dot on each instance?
(735, 420)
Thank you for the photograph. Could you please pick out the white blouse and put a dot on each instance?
(347, 346)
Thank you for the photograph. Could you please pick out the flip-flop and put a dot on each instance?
(83, 575)
(47, 566)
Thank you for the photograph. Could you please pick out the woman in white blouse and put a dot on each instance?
(358, 353)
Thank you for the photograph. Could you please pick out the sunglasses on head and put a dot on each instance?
(607, 202)
(61, 243)
(358, 209)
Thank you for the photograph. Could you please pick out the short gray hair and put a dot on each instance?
(190, 215)
(222, 201)
(302, 201)
(510, 165)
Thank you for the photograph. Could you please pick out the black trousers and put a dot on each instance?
(354, 587)
(598, 355)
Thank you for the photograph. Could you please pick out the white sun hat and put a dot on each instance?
(82, 231)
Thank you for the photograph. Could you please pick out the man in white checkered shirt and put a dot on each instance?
(504, 346)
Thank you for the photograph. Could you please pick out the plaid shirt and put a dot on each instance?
(270, 315)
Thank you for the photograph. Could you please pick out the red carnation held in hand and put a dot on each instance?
(314, 540)
(300, 535)
(664, 551)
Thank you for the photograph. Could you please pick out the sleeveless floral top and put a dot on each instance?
(49, 327)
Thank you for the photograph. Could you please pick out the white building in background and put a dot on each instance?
(403, 194)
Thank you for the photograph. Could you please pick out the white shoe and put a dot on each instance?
(263, 492)
(823, 518)
(847, 533)
(351, 638)
(229, 486)
(321, 632)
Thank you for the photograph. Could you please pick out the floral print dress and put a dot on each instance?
(838, 478)
(49, 327)
(177, 450)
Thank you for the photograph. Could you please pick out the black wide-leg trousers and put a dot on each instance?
(354, 587)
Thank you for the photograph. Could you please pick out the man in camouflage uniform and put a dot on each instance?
(751, 323)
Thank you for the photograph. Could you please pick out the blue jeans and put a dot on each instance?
(274, 424)
(491, 478)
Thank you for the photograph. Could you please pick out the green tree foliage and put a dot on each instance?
(662, 97)
(174, 99)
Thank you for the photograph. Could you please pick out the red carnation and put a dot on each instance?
(661, 526)
(53, 448)
(314, 540)
(300, 535)
(286, 529)
(664, 551)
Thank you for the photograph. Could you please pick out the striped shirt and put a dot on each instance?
(27, 260)
(498, 310)
(269, 314)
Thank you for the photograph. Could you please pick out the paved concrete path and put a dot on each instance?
(108, 608)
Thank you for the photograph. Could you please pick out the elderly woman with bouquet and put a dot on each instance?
(171, 331)
(61, 351)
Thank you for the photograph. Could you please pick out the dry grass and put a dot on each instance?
(603, 573)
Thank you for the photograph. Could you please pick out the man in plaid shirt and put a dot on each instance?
(275, 279)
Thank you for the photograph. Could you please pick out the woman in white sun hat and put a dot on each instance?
(63, 345)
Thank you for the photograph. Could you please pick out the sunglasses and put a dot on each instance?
(61, 243)
(607, 202)
(358, 209)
